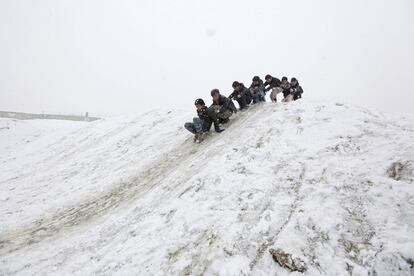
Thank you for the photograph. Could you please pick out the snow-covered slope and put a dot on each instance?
(330, 184)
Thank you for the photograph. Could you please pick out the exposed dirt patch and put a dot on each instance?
(287, 261)
(401, 170)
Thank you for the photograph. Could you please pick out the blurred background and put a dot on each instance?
(122, 57)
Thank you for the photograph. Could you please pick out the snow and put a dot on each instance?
(135, 196)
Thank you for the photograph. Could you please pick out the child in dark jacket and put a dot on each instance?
(295, 89)
(223, 106)
(202, 123)
(257, 90)
(273, 84)
(241, 94)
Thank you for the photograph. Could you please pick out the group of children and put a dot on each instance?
(223, 107)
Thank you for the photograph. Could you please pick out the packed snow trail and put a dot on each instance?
(330, 184)
(119, 193)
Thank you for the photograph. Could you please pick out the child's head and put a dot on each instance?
(215, 93)
(236, 86)
(199, 104)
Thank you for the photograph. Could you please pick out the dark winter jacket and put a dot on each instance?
(296, 91)
(225, 104)
(258, 84)
(257, 88)
(208, 117)
(286, 89)
(244, 92)
(275, 82)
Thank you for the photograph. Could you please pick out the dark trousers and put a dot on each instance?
(258, 97)
(297, 96)
(242, 100)
(195, 127)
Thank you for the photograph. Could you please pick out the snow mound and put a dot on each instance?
(328, 185)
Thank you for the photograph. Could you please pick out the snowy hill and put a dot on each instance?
(328, 184)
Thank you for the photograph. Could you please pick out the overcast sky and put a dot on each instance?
(129, 56)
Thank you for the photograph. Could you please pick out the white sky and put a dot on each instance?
(116, 57)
